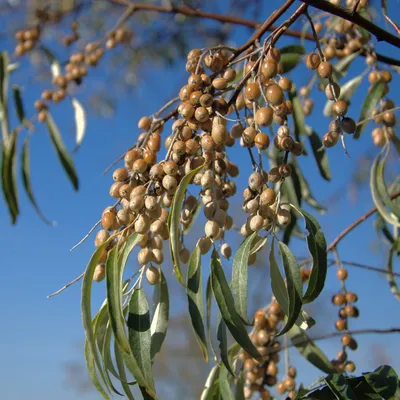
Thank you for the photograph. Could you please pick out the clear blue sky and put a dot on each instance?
(38, 336)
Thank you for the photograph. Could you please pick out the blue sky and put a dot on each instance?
(39, 335)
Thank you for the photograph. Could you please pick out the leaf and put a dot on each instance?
(90, 364)
(309, 350)
(346, 93)
(339, 386)
(55, 65)
(196, 213)
(225, 303)
(376, 182)
(223, 343)
(340, 68)
(390, 277)
(258, 244)
(290, 56)
(239, 390)
(194, 293)
(80, 122)
(4, 75)
(91, 352)
(159, 323)
(139, 334)
(121, 369)
(239, 276)
(294, 286)
(208, 316)
(211, 385)
(114, 272)
(62, 152)
(384, 381)
(224, 386)
(375, 94)
(298, 114)
(306, 194)
(320, 154)
(18, 103)
(173, 221)
(26, 179)
(8, 176)
(316, 243)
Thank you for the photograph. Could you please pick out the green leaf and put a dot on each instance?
(224, 386)
(346, 93)
(90, 364)
(340, 68)
(309, 350)
(298, 114)
(239, 390)
(384, 381)
(240, 275)
(370, 102)
(159, 323)
(121, 370)
(294, 286)
(62, 152)
(4, 74)
(208, 316)
(258, 244)
(316, 243)
(173, 222)
(226, 305)
(18, 103)
(80, 122)
(320, 155)
(194, 293)
(26, 179)
(291, 56)
(139, 334)
(212, 384)
(196, 213)
(91, 352)
(223, 343)
(8, 176)
(395, 249)
(377, 185)
(340, 387)
(114, 272)
(306, 194)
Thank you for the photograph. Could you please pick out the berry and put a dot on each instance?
(152, 275)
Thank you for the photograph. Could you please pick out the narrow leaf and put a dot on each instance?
(62, 152)
(80, 122)
(26, 179)
(240, 276)
(211, 386)
(4, 75)
(121, 370)
(18, 103)
(340, 68)
(173, 222)
(208, 316)
(320, 155)
(223, 343)
(224, 386)
(8, 176)
(291, 56)
(309, 350)
(294, 286)
(195, 300)
(395, 249)
(139, 334)
(370, 102)
(316, 243)
(225, 302)
(298, 114)
(159, 323)
(196, 213)
(384, 381)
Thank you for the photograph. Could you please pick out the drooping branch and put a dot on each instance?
(355, 224)
(349, 15)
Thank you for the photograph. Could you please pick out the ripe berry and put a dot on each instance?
(325, 69)
(351, 297)
(152, 275)
(269, 69)
(201, 114)
(99, 272)
(211, 229)
(342, 274)
(219, 134)
(332, 91)
(101, 237)
(108, 220)
(341, 325)
(285, 170)
(220, 83)
(261, 141)
(274, 95)
(339, 299)
(268, 197)
(313, 60)
(204, 244)
(255, 181)
(350, 366)
(289, 383)
(252, 91)
(348, 125)
(330, 139)
(292, 372)
(346, 339)
(284, 217)
(340, 108)
(226, 251)
(285, 84)
(263, 116)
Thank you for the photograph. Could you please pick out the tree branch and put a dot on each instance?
(355, 224)
(378, 32)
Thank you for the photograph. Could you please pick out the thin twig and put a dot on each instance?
(377, 115)
(78, 278)
(87, 235)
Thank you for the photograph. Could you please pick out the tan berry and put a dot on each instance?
(99, 272)
(252, 91)
(340, 108)
(325, 69)
(152, 275)
(263, 116)
(274, 95)
(313, 60)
